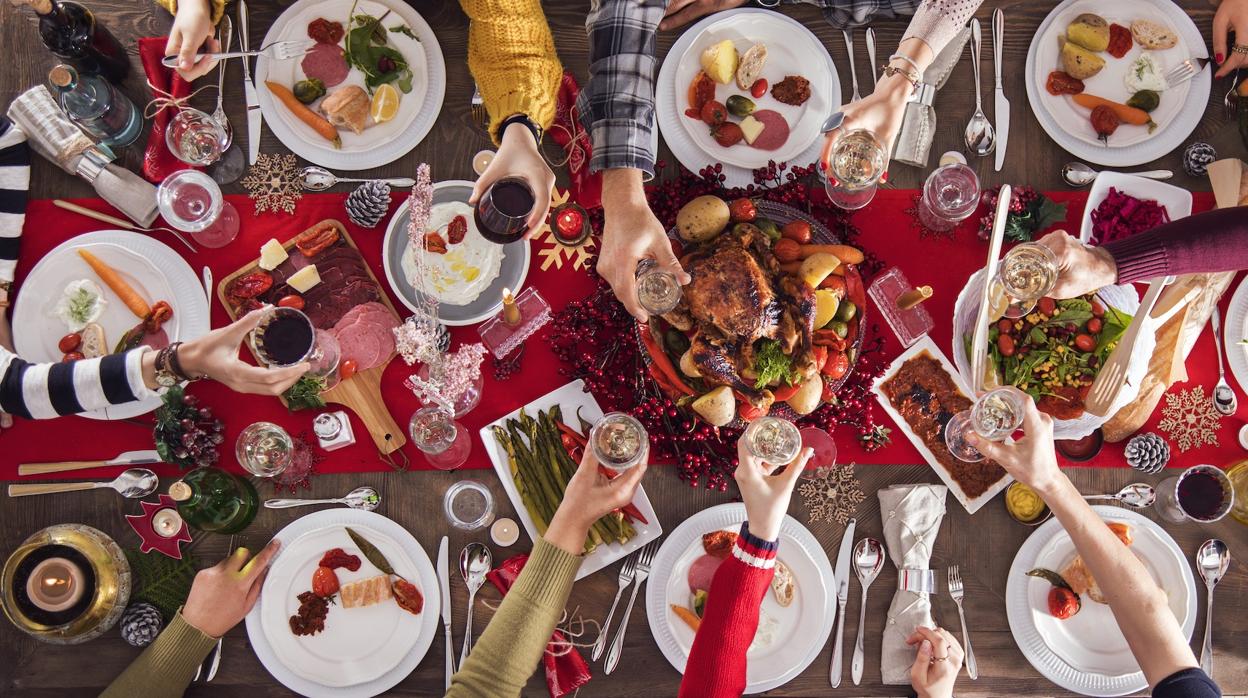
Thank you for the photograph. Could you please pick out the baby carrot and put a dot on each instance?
(113, 280)
(845, 253)
(691, 619)
(1129, 115)
(307, 116)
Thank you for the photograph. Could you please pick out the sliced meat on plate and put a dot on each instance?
(775, 130)
(326, 63)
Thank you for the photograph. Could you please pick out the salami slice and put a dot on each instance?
(326, 63)
(775, 130)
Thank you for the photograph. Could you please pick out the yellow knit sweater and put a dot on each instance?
(511, 54)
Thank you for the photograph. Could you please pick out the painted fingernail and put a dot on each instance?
(1217, 57)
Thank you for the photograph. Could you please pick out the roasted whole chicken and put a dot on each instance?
(739, 295)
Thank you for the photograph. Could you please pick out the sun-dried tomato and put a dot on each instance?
(1119, 41)
(719, 543)
(407, 596)
(1061, 83)
(456, 230)
(248, 305)
(310, 618)
(434, 243)
(250, 285)
(338, 557)
(159, 315)
(1104, 122)
(313, 241)
(701, 91)
(324, 31)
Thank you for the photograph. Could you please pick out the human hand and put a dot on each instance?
(223, 594)
(631, 233)
(6, 341)
(766, 495)
(1081, 268)
(1232, 15)
(192, 28)
(1031, 459)
(880, 112)
(215, 355)
(682, 12)
(518, 156)
(936, 664)
(589, 496)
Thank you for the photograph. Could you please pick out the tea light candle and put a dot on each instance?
(167, 522)
(482, 160)
(55, 584)
(570, 225)
(505, 533)
(511, 311)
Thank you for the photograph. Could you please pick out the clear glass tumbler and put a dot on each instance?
(856, 167)
(950, 196)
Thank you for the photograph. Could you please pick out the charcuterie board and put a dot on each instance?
(346, 283)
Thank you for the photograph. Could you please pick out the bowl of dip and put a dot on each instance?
(1025, 505)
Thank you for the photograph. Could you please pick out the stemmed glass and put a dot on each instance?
(191, 201)
(824, 457)
(286, 337)
(1202, 493)
(264, 449)
(856, 167)
(195, 137)
(776, 441)
(658, 290)
(619, 441)
(950, 196)
(444, 442)
(994, 416)
(1027, 273)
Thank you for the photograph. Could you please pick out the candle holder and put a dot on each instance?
(569, 223)
(161, 527)
(899, 303)
(502, 334)
(92, 559)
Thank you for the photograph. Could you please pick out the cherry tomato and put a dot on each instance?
(1094, 325)
(759, 88)
(1063, 603)
(1047, 305)
(837, 365)
(1005, 345)
(72, 356)
(294, 300)
(1084, 342)
(786, 250)
(1098, 310)
(742, 210)
(727, 134)
(347, 368)
(798, 231)
(324, 582)
(714, 113)
(69, 342)
(1005, 325)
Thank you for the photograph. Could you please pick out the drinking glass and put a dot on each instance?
(950, 196)
(658, 290)
(502, 213)
(1026, 274)
(264, 449)
(774, 440)
(194, 137)
(824, 457)
(444, 442)
(191, 201)
(286, 336)
(468, 505)
(1238, 475)
(856, 167)
(619, 441)
(1202, 493)
(994, 416)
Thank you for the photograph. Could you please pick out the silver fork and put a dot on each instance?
(957, 592)
(644, 558)
(278, 51)
(477, 107)
(1230, 105)
(1185, 70)
(626, 577)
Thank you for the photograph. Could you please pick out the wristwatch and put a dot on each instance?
(524, 121)
(168, 371)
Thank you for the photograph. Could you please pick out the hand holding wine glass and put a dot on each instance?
(589, 496)
(1032, 459)
(1081, 268)
(765, 494)
(215, 355)
(519, 158)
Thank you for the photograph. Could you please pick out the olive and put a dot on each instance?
(740, 105)
(846, 311)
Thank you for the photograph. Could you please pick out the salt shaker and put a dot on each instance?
(333, 430)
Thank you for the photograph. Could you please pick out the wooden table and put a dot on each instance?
(984, 547)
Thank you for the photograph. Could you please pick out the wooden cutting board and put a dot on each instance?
(360, 393)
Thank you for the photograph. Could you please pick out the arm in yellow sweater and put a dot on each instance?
(166, 667)
(511, 647)
(511, 54)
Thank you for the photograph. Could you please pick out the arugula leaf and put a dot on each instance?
(1037, 336)
(1075, 304)
(771, 365)
(305, 394)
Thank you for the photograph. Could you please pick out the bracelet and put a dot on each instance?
(913, 65)
(176, 366)
(524, 121)
(910, 76)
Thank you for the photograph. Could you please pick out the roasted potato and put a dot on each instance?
(1080, 63)
(808, 396)
(717, 407)
(720, 61)
(687, 366)
(703, 218)
(1089, 31)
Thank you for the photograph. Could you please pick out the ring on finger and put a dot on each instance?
(933, 660)
(1241, 49)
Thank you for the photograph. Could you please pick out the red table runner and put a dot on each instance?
(887, 229)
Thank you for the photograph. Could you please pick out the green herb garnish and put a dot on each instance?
(368, 51)
(771, 365)
(305, 394)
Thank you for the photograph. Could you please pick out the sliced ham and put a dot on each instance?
(701, 572)
(326, 63)
(775, 130)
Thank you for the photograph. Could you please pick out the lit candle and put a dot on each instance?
(55, 584)
(482, 160)
(167, 522)
(570, 228)
(504, 532)
(511, 311)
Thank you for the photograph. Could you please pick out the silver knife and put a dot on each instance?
(444, 579)
(127, 458)
(1001, 110)
(254, 117)
(842, 597)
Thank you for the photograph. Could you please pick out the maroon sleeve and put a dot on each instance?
(1204, 243)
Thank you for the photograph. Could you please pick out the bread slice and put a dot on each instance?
(1153, 35)
(93, 343)
(348, 107)
(366, 592)
(783, 584)
(751, 66)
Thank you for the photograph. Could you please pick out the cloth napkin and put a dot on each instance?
(158, 162)
(912, 516)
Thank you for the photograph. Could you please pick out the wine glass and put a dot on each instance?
(950, 196)
(619, 441)
(444, 442)
(994, 416)
(856, 167)
(264, 449)
(195, 137)
(1202, 493)
(286, 336)
(824, 456)
(502, 213)
(658, 290)
(773, 440)
(191, 201)
(1026, 274)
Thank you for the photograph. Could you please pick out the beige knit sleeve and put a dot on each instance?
(935, 22)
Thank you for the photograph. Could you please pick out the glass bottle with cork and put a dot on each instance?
(213, 500)
(96, 106)
(72, 32)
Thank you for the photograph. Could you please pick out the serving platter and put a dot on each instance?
(362, 651)
(151, 267)
(1087, 653)
(801, 630)
(379, 144)
(570, 398)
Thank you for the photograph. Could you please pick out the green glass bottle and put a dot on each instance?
(212, 500)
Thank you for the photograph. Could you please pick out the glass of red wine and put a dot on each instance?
(286, 337)
(1202, 493)
(824, 457)
(503, 211)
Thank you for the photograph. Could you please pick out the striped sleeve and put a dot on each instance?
(14, 181)
(44, 391)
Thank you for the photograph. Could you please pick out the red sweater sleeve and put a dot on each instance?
(716, 665)
(1207, 242)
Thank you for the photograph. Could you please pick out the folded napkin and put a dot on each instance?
(912, 516)
(158, 162)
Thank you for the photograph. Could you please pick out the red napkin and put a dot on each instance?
(565, 673)
(586, 188)
(158, 162)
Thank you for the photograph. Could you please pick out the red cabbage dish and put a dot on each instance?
(1121, 215)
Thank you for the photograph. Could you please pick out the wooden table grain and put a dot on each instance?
(983, 546)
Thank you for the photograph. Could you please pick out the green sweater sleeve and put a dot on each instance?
(166, 667)
(504, 658)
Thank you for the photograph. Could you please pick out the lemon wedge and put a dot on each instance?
(385, 103)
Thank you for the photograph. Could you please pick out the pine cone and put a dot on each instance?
(369, 203)
(140, 624)
(1196, 158)
(1147, 453)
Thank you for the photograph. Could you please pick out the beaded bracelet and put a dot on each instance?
(910, 76)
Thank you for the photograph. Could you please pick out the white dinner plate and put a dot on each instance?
(1235, 331)
(379, 144)
(1069, 125)
(151, 267)
(362, 651)
(1087, 653)
(512, 273)
(1178, 202)
(671, 96)
(570, 398)
(800, 631)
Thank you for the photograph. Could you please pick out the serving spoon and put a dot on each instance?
(363, 498)
(1213, 559)
(315, 178)
(1077, 174)
(134, 483)
(1137, 495)
(980, 137)
(474, 561)
(868, 561)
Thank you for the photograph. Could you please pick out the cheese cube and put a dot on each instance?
(751, 127)
(272, 254)
(305, 278)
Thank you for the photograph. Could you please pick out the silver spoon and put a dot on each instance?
(364, 498)
(134, 483)
(1077, 174)
(1223, 396)
(980, 137)
(474, 561)
(1136, 495)
(218, 114)
(1212, 559)
(868, 561)
(315, 178)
